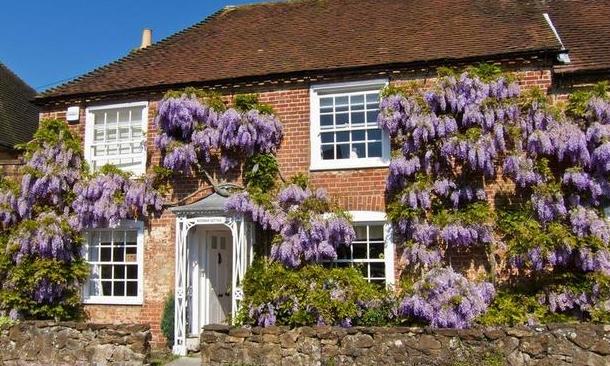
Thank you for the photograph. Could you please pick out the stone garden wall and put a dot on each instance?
(556, 345)
(70, 343)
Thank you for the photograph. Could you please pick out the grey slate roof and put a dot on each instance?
(18, 116)
(213, 203)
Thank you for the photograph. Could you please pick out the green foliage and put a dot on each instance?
(6, 322)
(167, 319)
(578, 100)
(312, 292)
(300, 179)
(486, 72)
(509, 308)
(210, 98)
(260, 172)
(246, 102)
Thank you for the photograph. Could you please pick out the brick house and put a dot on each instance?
(320, 65)
(18, 117)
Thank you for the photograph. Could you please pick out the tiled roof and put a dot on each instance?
(18, 116)
(584, 28)
(314, 35)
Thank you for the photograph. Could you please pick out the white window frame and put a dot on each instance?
(111, 299)
(319, 90)
(89, 130)
(377, 218)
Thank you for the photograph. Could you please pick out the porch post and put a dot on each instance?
(180, 288)
(240, 262)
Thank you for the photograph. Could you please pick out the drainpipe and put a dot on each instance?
(563, 56)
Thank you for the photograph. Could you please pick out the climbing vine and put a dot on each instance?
(455, 144)
(42, 218)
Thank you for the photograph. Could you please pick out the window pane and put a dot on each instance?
(375, 149)
(111, 116)
(118, 253)
(343, 252)
(131, 254)
(98, 135)
(341, 119)
(326, 104)
(132, 272)
(342, 136)
(106, 288)
(341, 104)
(94, 288)
(105, 254)
(372, 98)
(343, 151)
(376, 232)
(326, 120)
(360, 232)
(106, 272)
(119, 288)
(378, 269)
(359, 251)
(327, 137)
(136, 114)
(371, 117)
(132, 288)
(328, 152)
(119, 272)
(375, 250)
(359, 151)
(358, 135)
(374, 134)
(357, 102)
(357, 118)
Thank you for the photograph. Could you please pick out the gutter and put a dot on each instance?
(563, 56)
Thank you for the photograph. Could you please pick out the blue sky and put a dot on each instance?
(45, 42)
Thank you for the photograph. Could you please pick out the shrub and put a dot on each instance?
(167, 320)
(313, 294)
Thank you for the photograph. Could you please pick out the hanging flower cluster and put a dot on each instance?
(42, 218)
(191, 131)
(446, 299)
(307, 230)
(471, 129)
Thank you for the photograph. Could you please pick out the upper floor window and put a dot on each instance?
(115, 134)
(344, 126)
(116, 259)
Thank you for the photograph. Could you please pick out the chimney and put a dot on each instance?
(146, 38)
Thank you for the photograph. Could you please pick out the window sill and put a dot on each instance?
(348, 164)
(112, 301)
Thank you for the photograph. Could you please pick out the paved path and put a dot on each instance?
(186, 361)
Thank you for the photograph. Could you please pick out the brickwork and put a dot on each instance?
(353, 189)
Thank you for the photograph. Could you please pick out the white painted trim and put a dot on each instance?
(120, 300)
(317, 90)
(378, 217)
(89, 129)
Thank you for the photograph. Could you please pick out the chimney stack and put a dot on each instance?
(146, 38)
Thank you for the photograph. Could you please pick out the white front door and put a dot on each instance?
(215, 290)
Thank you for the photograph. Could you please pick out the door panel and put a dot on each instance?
(216, 278)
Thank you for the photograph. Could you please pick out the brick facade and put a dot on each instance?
(353, 189)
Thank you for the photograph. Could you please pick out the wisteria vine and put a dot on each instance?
(192, 131)
(456, 143)
(43, 217)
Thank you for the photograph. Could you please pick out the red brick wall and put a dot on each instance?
(355, 189)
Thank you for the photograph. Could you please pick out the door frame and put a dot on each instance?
(199, 285)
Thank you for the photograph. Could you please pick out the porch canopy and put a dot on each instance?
(207, 211)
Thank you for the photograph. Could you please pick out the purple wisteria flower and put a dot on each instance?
(446, 299)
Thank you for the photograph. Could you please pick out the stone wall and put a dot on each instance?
(70, 343)
(557, 345)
